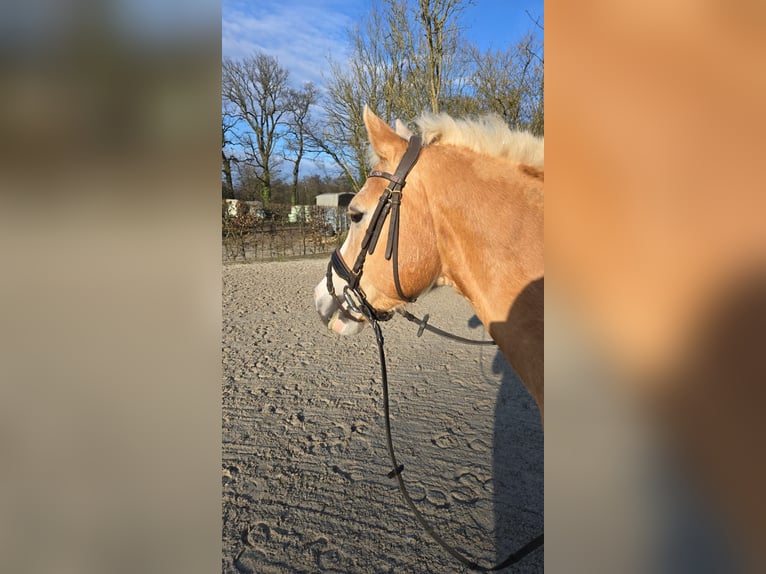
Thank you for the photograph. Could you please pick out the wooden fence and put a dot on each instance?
(281, 232)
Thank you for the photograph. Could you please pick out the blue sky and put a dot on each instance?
(303, 34)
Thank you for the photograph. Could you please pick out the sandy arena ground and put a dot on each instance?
(304, 456)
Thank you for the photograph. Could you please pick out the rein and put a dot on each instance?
(424, 326)
(399, 468)
(356, 300)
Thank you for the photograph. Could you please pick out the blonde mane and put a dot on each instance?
(488, 135)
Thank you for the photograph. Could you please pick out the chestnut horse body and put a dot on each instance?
(472, 218)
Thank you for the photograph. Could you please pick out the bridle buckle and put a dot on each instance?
(354, 299)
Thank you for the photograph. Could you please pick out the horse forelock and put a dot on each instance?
(488, 135)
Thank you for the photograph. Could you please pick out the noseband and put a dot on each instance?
(389, 203)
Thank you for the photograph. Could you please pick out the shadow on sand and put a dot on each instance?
(517, 470)
(517, 467)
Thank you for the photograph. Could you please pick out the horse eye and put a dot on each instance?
(356, 216)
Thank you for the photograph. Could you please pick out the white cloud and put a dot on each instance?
(302, 34)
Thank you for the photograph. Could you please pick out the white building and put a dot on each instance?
(334, 199)
(336, 218)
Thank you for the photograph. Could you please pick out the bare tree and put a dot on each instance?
(257, 88)
(510, 84)
(409, 57)
(228, 122)
(299, 104)
(438, 20)
(401, 61)
(537, 124)
(341, 134)
(375, 74)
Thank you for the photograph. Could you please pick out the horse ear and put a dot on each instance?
(384, 140)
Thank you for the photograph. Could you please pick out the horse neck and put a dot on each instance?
(488, 220)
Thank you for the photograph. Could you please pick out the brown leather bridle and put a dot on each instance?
(389, 203)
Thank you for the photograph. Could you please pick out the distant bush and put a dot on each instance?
(280, 231)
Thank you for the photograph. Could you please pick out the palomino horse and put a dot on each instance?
(471, 217)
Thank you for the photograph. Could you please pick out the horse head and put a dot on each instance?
(400, 266)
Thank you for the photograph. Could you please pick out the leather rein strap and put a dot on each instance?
(513, 558)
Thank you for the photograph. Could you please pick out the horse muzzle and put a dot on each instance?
(336, 314)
